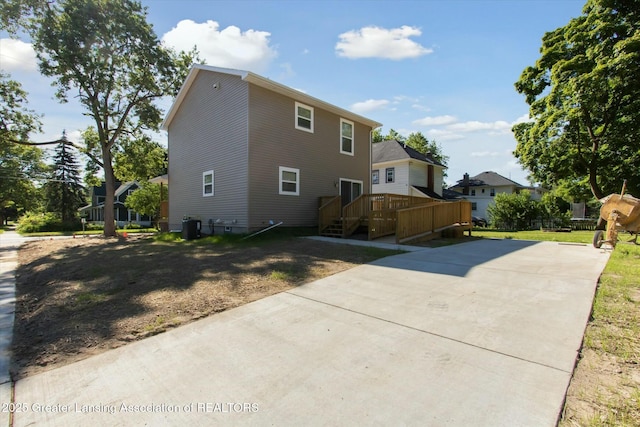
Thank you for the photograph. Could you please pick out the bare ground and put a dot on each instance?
(79, 297)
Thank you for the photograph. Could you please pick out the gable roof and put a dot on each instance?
(266, 83)
(125, 186)
(489, 178)
(393, 150)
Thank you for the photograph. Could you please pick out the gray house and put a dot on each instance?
(245, 152)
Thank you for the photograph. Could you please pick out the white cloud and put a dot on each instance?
(229, 47)
(442, 135)
(376, 42)
(369, 105)
(485, 154)
(522, 119)
(287, 71)
(420, 107)
(474, 126)
(435, 121)
(16, 55)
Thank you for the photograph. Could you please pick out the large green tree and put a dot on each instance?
(584, 98)
(419, 142)
(64, 192)
(107, 53)
(146, 199)
(20, 164)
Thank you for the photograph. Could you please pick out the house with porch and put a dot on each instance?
(94, 212)
(400, 169)
(246, 152)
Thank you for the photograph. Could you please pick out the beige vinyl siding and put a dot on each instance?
(274, 141)
(209, 132)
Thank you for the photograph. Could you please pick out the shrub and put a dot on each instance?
(43, 222)
(513, 211)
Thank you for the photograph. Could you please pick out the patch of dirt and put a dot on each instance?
(600, 388)
(79, 297)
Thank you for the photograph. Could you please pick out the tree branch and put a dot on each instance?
(59, 141)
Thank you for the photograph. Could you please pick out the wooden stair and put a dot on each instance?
(334, 229)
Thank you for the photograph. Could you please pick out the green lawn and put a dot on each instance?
(551, 236)
(88, 232)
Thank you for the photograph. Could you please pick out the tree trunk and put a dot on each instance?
(109, 205)
(593, 182)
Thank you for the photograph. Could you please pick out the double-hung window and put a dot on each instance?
(375, 176)
(289, 181)
(207, 183)
(346, 137)
(391, 174)
(304, 117)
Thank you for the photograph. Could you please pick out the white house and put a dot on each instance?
(482, 188)
(399, 169)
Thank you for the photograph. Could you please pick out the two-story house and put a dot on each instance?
(481, 189)
(245, 152)
(94, 212)
(400, 169)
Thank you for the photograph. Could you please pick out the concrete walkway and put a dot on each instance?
(10, 241)
(483, 333)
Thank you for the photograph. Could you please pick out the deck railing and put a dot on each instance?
(354, 212)
(330, 210)
(388, 214)
(419, 221)
(382, 223)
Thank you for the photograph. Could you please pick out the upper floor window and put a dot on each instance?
(391, 174)
(346, 137)
(289, 181)
(473, 192)
(492, 192)
(375, 176)
(207, 183)
(304, 117)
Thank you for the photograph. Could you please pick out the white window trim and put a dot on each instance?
(386, 175)
(280, 181)
(299, 104)
(213, 180)
(353, 137)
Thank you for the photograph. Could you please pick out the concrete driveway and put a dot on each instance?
(480, 334)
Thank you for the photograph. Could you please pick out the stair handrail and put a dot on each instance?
(329, 212)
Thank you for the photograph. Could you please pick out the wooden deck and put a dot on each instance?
(409, 218)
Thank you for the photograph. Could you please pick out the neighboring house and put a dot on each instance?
(481, 189)
(245, 152)
(123, 216)
(400, 169)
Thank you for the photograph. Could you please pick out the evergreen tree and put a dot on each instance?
(64, 192)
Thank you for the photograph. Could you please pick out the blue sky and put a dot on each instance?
(444, 68)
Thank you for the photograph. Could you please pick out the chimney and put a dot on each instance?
(465, 184)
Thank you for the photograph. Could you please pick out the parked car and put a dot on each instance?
(478, 222)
